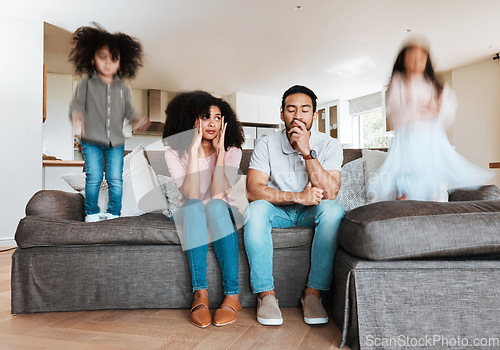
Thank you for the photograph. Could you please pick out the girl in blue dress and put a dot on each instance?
(421, 163)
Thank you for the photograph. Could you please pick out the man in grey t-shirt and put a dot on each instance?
(293, 179)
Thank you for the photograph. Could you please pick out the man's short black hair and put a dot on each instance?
(299, 89)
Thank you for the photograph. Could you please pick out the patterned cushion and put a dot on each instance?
(352, 194)
(171, 192)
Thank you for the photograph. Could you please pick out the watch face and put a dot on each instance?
(313, 154)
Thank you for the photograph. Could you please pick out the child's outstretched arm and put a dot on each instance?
(78, 122)
(77, 108)
(140, 123)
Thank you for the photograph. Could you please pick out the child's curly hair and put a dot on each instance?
(186, 107)
(87, 40)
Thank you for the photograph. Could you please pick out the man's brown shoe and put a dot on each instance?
(224, 317)
(201, 316)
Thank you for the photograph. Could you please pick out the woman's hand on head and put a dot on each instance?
(218, 142)
(197, 137)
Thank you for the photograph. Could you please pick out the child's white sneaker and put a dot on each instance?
(109, 216)
(93, 217)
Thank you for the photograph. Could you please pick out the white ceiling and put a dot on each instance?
(341, 49)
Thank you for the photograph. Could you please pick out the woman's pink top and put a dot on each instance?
(177, 166)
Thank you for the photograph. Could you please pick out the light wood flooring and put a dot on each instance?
(150, 329)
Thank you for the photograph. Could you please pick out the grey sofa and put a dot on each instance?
(403, 268)
(420, 275)
(65, 264)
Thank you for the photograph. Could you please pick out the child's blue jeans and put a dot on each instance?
(193, 217)
(93, 156)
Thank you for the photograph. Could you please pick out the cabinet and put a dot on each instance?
(334, 119)
(53, 170)
(256, 109)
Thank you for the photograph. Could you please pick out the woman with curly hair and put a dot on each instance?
(100, 105)
(205, 139)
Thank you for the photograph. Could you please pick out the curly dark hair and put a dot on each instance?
(399, 67)
(186, 107)
(87, 40)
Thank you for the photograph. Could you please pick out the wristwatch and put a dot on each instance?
(311, 155)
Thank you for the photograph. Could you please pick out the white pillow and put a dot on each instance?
(239, 193)
(141, 191)
(144, 195)
(77, 182)
(372, 160)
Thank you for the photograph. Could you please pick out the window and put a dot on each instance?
(368, 120)
(372, 132)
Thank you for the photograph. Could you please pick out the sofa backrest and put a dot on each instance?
(157, 159)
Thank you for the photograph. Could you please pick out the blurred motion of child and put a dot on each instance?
(100, 105)
(421, 163)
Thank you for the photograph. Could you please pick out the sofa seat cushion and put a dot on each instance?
(151, 228)
(409, 229)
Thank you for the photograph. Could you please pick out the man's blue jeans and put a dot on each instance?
(194, 216)
(261, 216)
(93, 155)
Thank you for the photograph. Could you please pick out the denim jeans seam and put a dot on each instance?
(260, 290)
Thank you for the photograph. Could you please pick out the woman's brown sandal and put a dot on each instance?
(223, 317)
(201, 316)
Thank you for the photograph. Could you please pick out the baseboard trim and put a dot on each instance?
(8, 243)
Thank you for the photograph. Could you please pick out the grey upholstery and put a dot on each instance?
(63, 264)
(415, 299)
(409, 229)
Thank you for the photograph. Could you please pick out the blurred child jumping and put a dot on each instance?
(421, 164)
(100, 105)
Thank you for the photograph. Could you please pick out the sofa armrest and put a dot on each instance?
(487, 192)
(57, 205)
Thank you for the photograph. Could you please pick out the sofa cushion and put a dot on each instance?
(408, 229)
(57, 205)
(152, 228)
(487, 192)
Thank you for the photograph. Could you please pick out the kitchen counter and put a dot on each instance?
(61, 163)
(53, 170)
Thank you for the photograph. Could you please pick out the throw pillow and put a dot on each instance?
(372, 160)
(141, 190)
(352, 194)
(171, 192)
(77, 182)
(146, 194)
(239, 193)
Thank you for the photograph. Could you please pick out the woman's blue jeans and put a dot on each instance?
(261, 216)
(93, 156)
(191, 220)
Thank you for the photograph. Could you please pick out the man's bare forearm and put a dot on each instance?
(321, 178)
(273, 195)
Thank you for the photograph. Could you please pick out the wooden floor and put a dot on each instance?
(150, 329)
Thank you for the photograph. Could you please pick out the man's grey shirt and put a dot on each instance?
(274, 155)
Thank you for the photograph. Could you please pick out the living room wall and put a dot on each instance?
(21, 96)
(476, 131)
